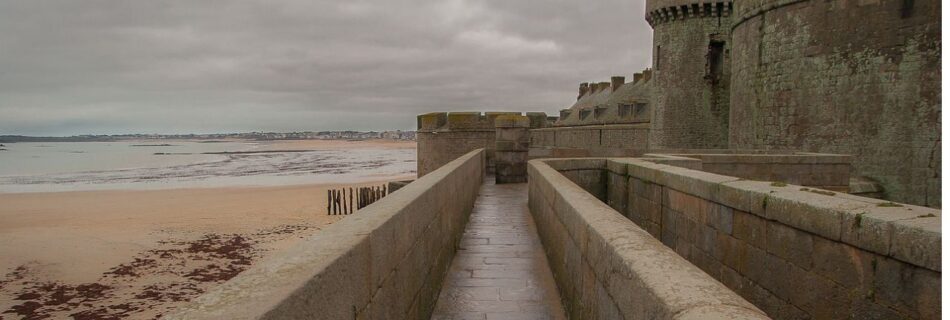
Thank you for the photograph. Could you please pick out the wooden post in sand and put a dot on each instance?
(328, 201)
(336, 202)
(351, 200)
(346, 207)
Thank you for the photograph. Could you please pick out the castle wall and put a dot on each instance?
(590, 141)
(442, 137)
(608, 268)
(691, 73)
(794, 252)
(847, 77)
(826, 171)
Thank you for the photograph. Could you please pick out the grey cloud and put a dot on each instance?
(113, 66)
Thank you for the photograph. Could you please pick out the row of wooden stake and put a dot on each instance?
(341, 202)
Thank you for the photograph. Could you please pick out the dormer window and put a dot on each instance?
(599, 111)
(625, 110)
(584, 113)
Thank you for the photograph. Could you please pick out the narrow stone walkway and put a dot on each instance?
(500, 271)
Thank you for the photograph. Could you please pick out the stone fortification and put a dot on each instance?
(442, 137)
(608, 268)
(691, 73)
(795, 252)
(616, 140)
(512, 141)
(851, 77)
(614, 102)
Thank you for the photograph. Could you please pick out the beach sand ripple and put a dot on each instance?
(152, 283)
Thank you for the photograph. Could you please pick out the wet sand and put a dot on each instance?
(338, 144)
(138, 254)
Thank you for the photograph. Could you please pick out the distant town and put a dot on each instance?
(306, 135)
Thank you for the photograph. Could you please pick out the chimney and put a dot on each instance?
(615, 83)
(647, 74)
(603, 86)
(637, 77)
(582, 90)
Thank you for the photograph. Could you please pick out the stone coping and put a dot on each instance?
(643, 278)
(908, 233)
(796, 157)
(372, 264)
(644, 125)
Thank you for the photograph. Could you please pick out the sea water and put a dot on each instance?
(73, 166)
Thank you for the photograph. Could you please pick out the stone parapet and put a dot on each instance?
(471, 121)
(793, 251)
(608, 268)
(385, 262)
(444, 136)
(660, 11)
(590, 141)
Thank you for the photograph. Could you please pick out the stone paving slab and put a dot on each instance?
(500, 271)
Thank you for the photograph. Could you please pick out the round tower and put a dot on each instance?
(849, 77)
(691, 73)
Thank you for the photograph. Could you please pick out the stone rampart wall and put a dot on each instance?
(385, 262)
(590, 141)
(608, 268)
(825, 171)
(793, 251)
(691, 74)
(441, 137)
(845, 77)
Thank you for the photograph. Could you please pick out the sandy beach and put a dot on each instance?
(138, 254)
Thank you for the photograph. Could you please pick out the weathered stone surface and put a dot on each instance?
(917, 241)
(691, 98)
(749, 228)
(787, 257)
(512, 121)
(641, 277)
(790, 244)
(799, 68)
(512, 281)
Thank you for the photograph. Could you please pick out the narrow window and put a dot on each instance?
(657, 65)
(907, 9)
(716, 60)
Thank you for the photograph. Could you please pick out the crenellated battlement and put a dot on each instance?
(444, 136)
(473, 121)
(666, 11)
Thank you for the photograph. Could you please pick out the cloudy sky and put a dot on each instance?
(152, 66)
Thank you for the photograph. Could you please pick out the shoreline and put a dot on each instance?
(141, 253)
(275, 163)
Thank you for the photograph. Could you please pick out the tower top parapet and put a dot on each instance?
(660, 11)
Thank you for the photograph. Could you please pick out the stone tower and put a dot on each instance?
(849, 77)
(691, 73)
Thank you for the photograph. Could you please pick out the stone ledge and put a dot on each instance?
(648, 279)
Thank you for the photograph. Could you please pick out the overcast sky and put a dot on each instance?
(151, 66)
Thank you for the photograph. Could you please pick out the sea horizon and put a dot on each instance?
(175, 163)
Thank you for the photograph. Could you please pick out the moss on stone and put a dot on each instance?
(822, 192)
(889, 204)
